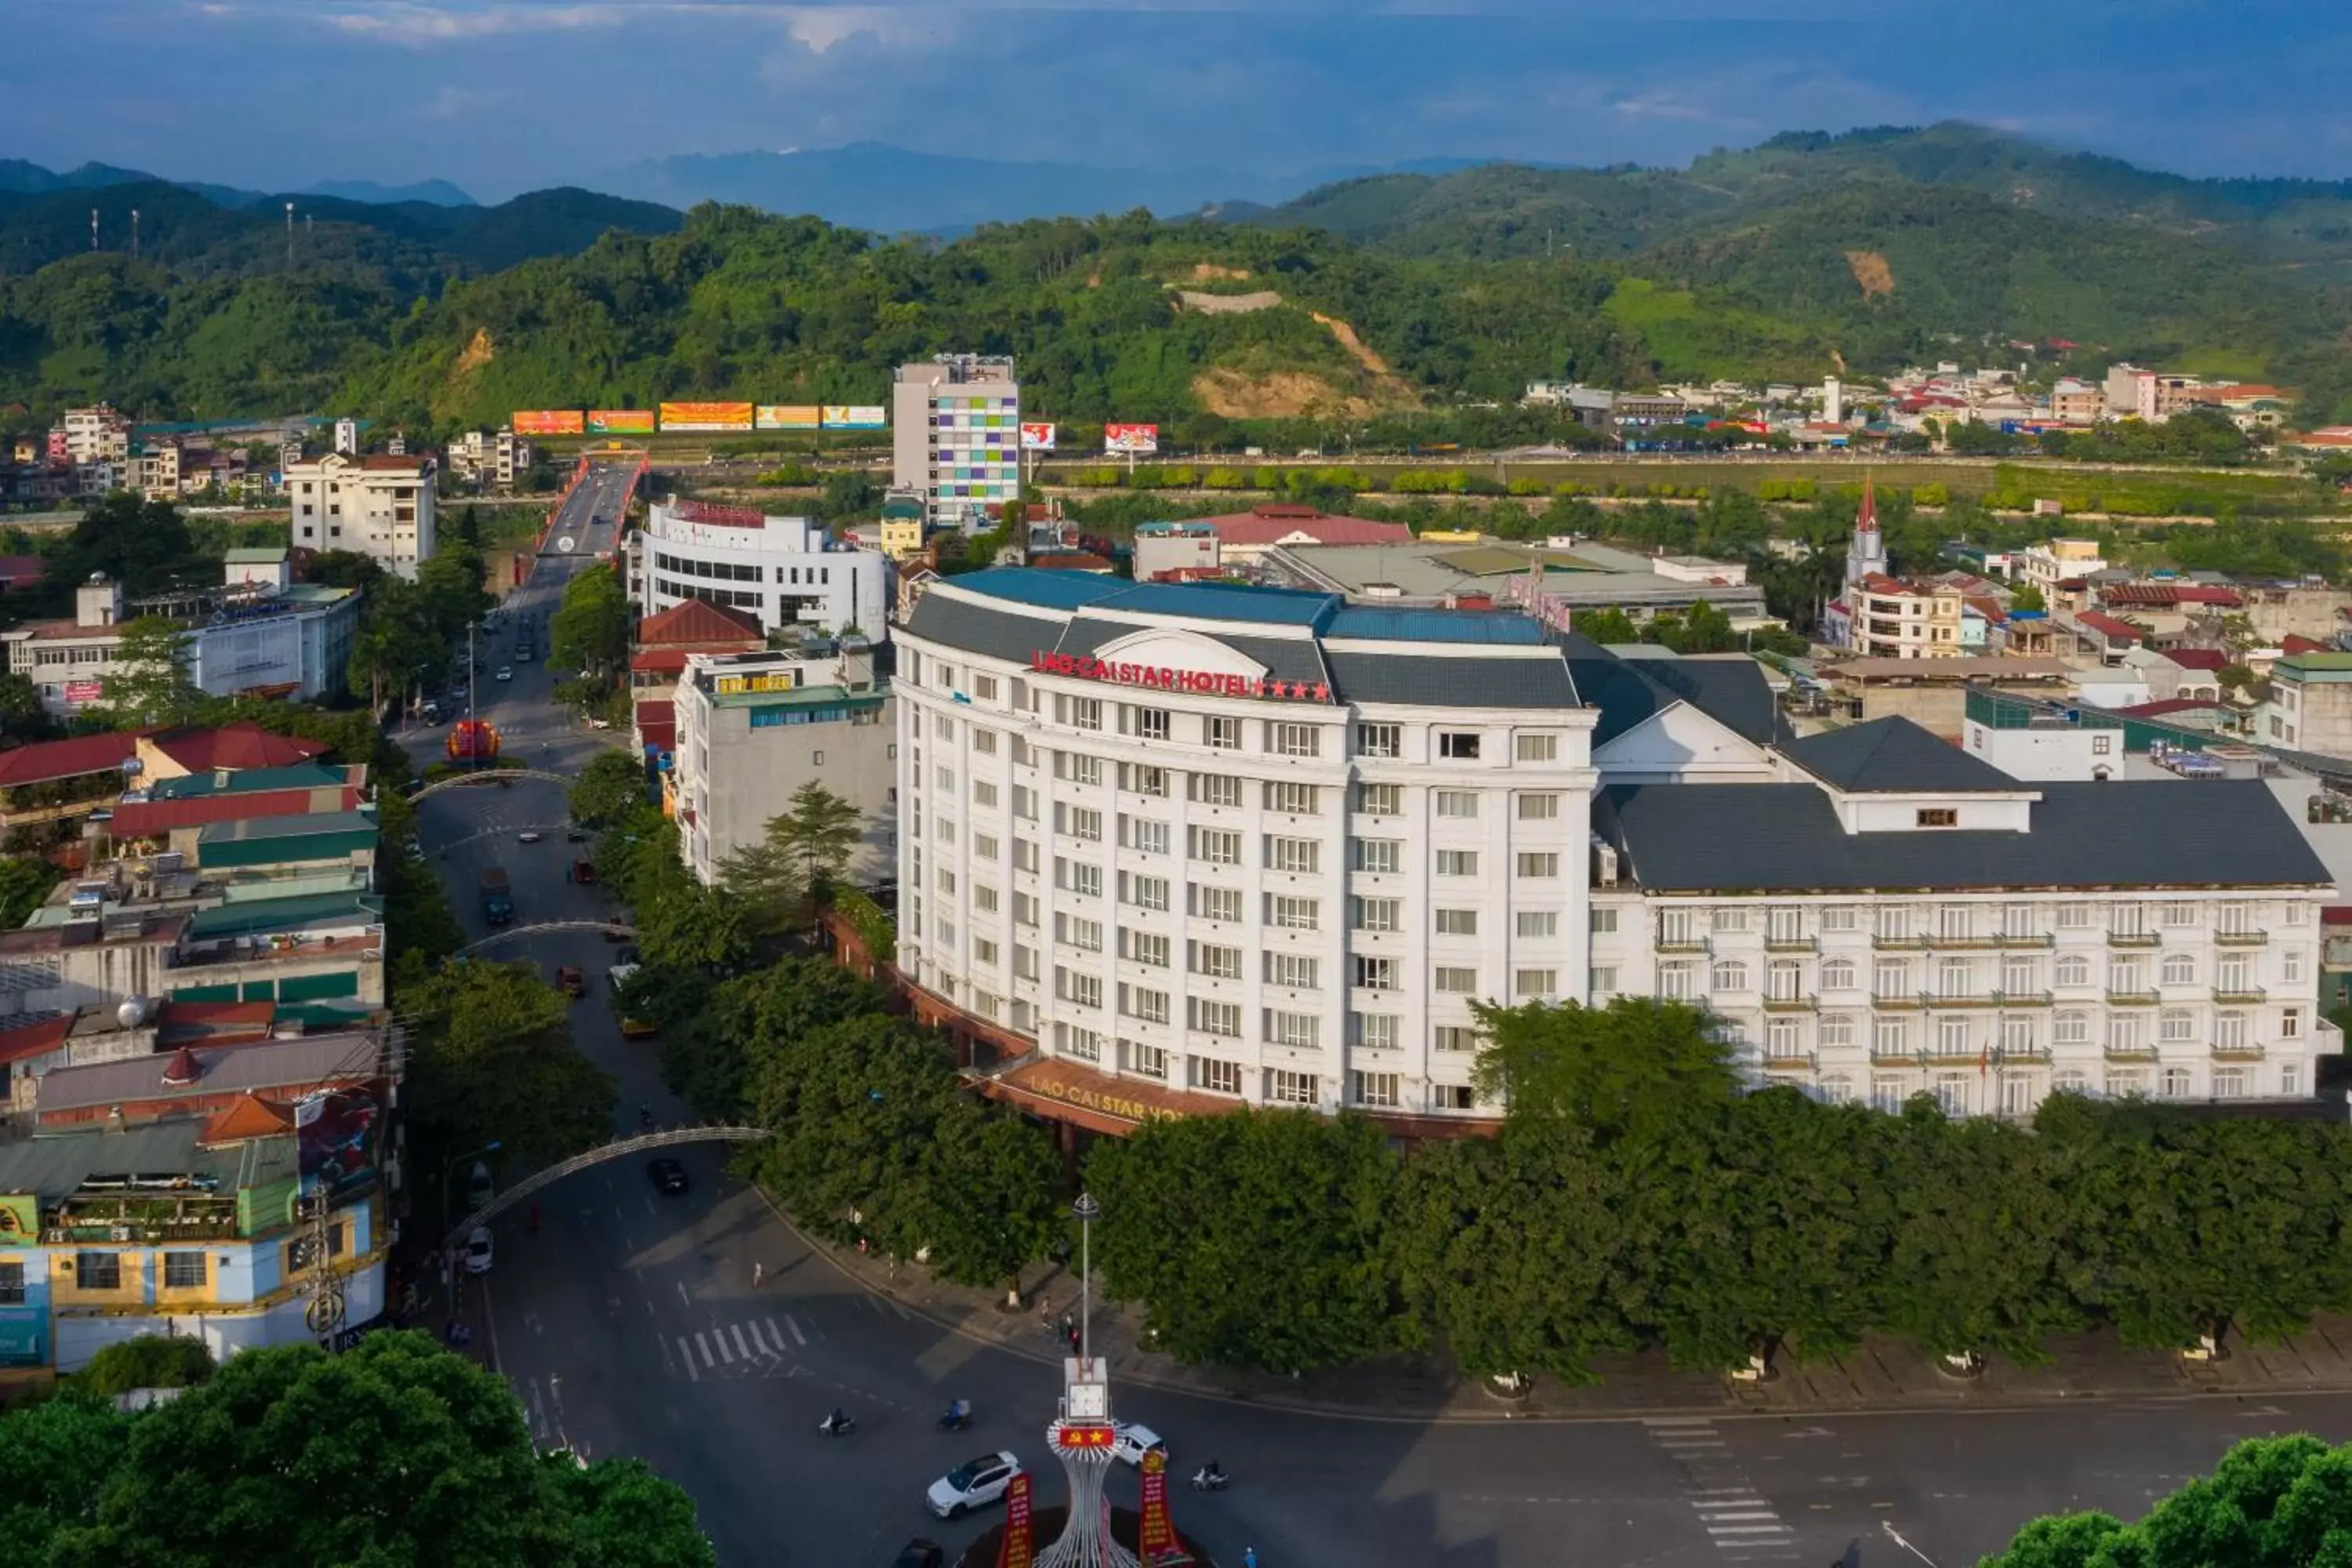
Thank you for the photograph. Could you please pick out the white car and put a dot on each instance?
(504, 673)
(1133, 1440)
(972, 1484)
(529, 835)
(600, 723)
(477, 1251)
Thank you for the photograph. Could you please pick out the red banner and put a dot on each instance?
(1158, 1537)
(1020, 1548)
(547, 421)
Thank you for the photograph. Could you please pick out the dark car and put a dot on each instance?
(575, 834)
(668, 1175)
(920, 1554)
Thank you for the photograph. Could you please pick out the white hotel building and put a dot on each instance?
(1167, 849)
(788, 571)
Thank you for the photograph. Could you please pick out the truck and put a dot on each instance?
(498, 898)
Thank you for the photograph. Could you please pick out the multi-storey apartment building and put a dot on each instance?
(96, 434)
(787, 571)
(1174, 848)
(378, 505)
(956, 436)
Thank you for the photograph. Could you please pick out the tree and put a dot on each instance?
(1636, 1069)
(2271, 1502)
(712, 1058)
(590, 630)
(262, 1465)
(142, 544)
(148, 684)
(147, 1360)
(346, 569)
(798, 854)
(611, 786)
(1608, 627)
(26, 883)
(395, 646)
(21, 713)
(2028, 596)
(492, 1059)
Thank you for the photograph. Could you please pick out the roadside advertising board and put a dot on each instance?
(705, 416)
(788, 416)
(1036, 438)
(549, 421)
(80, 692)
(1134, 439)
(856, 416)
(622, 421)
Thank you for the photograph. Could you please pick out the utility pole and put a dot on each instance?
(134, 234)
(93, 231)
(289, 236)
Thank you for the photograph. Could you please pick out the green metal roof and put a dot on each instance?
(250, 829)
(801, 697)
(257, 555)
(301, 776)
(284, 914)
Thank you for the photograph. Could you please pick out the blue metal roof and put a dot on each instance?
(1077, 590)
(1050, 589)
(1493, 628)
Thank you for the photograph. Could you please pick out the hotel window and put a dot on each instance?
(1458, 745)
(1891, 978)
(1083, 712)
(1454, 1039)
(1209, 1017)
(2179, 969)
(942, 727)
(2229, 1083)
(1955, 922)
(1215, 962)
(1457, 862)
(1536, 748)
(2124, 1032)
(1605, 922)
(1456, 803)
(2076, 915)
(1536, 923)
(2176, 1024)
(1891, 922)
(983, 795)
(1783, 1040)
(943, 830)
(1955, 977)
(1604, 979)
(2237, 919)
(2290, 1023)
(2017, 919)
(1079, 988)
(1224, 735)
(1291, 914)
(1458, 923)
(1376, 914)
(1145, 834)
(2177, 914)
(1678, 928)
(942, 776)
(1372, 973)
(183, 1270)
(1451, 1097)
(1837, 974)
(1952, 1037)
(1077, 767)
(2070, 1029)
(1728, 920)
(1784, 982)
(1678, 982)
(2124, 976)
(1299, 1031)
(1150, 1006)
(2073, 968)
(1938, 817)
(1082, 823)
(944, 676)
(1215, 789)
(97, 1271)
(1731, 976)
(1077, 877)
(1840, 916)
(1375, 1089)
(1290, 1088)
(1380, 740)
(1085, 1044)
(983, 951)
(1890, 1037)
(2127, 920)
(983, 686)
(983, 898)
(1377, 855)
(1144, 892)
(1216, 847)
(1381, 799)
(2232, 976)
(2290, 1078)
(1294, 855)
(1146, 1060)
(1289, 739)
(1137, 779)
(1216, 1077)
(1537, 982)
(2175, 1083)
(1025, 802)
(1144, 723)
(1215, 903)
(1539, 807)
(2229, 1031)
(1291, 971)
(1293, 799)
(1456, 980)
(1837, 1029)
(1375, 1031)
(1783, 925)
(2291, 965)
(946, 880)
(1145, 947)
(2017, 976)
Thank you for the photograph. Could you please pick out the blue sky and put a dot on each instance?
(508, 95)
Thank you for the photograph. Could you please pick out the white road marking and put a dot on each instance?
(738, 1329)
(704, 1346)
(682, 1294)
(1740, 1517)
(761, 1342)
(718, 1337)
(798, 1337)
(689, 1356)
(668, 1365)
(1748, 1530)
(1677, 1420)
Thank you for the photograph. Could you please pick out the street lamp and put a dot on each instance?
(449, 1164)
(1089, 1211)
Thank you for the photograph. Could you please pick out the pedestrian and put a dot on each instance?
(1249, 1557)
(759, 1272)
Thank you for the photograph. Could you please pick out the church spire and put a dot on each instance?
(1867, 519)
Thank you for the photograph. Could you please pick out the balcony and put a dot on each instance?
(1896, 1001)
(2249, 998)
(2019, 1055)
(2136, 1053)
(2241, 938)
(1792, 944)
(1899, 943)
(1959, 999)
(2044, 939)
(1962, 943)
(1791, 1003)
(2252, 1051)
(2132, 998)
(1790, 1062)
(2134, 939)
(1689, 944)
(1907, 1056)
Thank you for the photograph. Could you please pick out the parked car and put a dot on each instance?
(1131, 1440)
(504, 673)
(972, 1484)
(920, 1553)
(639, 1029)
(575, 833)
(529, 835)
(584, 873)
(477, 1251)
(668, 1175)
(570, 980)
(600, 723)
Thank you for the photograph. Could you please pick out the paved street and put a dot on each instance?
(629, 1324)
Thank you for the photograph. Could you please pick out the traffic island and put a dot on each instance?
(1125, 1527)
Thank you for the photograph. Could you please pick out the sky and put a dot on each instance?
(502, 96)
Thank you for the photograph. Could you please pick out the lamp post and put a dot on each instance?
(449, 1164)
(1089, 1211)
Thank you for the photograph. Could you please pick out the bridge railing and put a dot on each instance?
(618, 1149)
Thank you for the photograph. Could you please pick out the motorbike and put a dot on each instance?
(1204, 1481)
(837, 1425)
(958, 1416)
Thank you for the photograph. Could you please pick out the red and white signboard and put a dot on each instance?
(1164, 678)
(1135, 440)
(1036, 438)
(80, 692)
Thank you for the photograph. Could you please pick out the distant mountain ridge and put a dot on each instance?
(18, 178)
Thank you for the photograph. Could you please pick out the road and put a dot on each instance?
(629, 1325)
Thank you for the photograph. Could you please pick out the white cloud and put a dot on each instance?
(402, 21)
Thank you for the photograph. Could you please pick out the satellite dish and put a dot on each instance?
(131, 1014)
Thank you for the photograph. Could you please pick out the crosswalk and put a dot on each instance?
(752, 1347)
(1739, 1520)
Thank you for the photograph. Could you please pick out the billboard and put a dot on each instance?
(80, 692)
(787, 417)
(1036, 438)
(20, 1219)
(1132, 440)
(705, 416)
(333, 1131)
(856, 416)
(549, 421)
(621, 421)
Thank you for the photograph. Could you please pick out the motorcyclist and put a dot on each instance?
(838, 1421)
(1215, 1472)
(534, 1219)
(645, 1115)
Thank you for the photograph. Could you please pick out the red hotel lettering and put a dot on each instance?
(1204, 683)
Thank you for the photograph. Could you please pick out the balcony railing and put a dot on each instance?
(2010, 1055)
(2134, 938)
(1964, 942)
(1896, 1001)
(1899, 943)
(2248, 1051)
(2042, 940)
(1685, 944)
(1791, 943)
(2241, 938)
(2242, 998)
(1790, 1061)
(2143, 1052)
(2132, 998)
(1791, 1003)
(1959, 999)
(1894, 1057)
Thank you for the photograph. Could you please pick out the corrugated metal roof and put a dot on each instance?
(1050, 589)
(1492, 626)
(247, 829)
(285, 914)
(1894, 754)
(226, 1069)
(301, 776)
(54, 1165)
(1460, 681)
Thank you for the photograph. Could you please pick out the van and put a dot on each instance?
(479, 1188)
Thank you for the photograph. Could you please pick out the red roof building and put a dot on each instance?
(156, 818)
(658, 725)
(2213, 660)
(2109, 627)
(1286, 522)
(50, 760)
(665, 641)
(2295, 643)
(232, 748)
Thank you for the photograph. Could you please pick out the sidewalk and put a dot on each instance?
(1883, 1376)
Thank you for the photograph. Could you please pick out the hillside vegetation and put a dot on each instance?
(1404, 294)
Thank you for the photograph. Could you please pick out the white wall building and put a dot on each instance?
(1200, 845)
(377, 505)
(97, 435)
(955, 436)
(785, 570)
